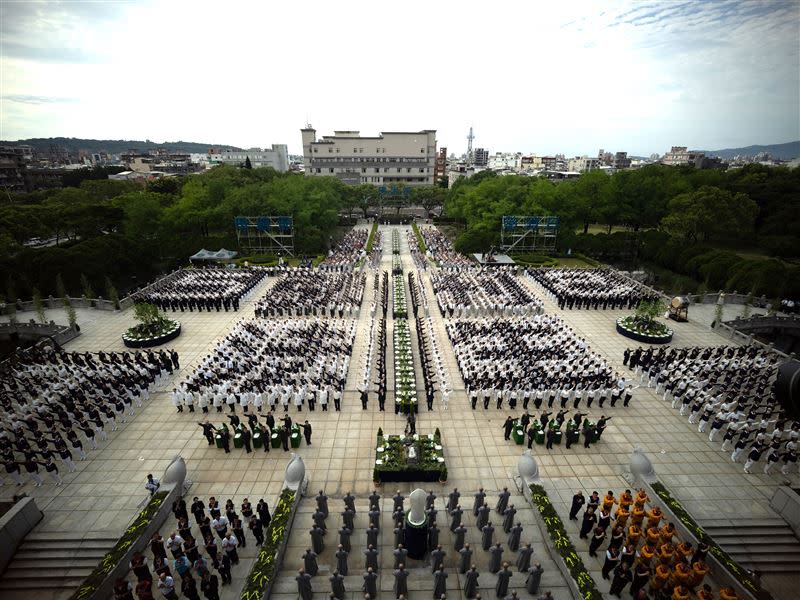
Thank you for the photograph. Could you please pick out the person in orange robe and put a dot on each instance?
(682, 575)
(654, 516)
(683, 551)
(637, 515)
(652, 536)
(634, 535)
(622, 515)
(666, 533)
(659, 578)
(625, 499)
(609, 501)
(666, 553)
(699, 571)
(647, 552)
(727, 593)
(641, 499)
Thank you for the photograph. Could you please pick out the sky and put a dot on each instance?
(530, 76)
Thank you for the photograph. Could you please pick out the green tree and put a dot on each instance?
(111, 292)
(38, 305)
(247, 163)
(592, 198)
(710, 213)
(86, 286)
(61, 290)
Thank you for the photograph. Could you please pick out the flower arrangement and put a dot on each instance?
(154, 327)
(395, 242)
(400, 308)
(391, 463)
(405, 389)
(555, 527)
(116, 554)
(734, 568)
(263, 570)
(643, 326)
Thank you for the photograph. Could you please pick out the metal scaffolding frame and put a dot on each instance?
(265, 235)
(528, 234)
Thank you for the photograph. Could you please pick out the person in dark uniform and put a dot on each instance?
(208, 431)
(307, 432)
(246, 440)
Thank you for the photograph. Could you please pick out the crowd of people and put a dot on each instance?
(304, 292)
(726, 391)
(376, 253)
(420, 260)
(200, 553)
(439, 247)
(641, 548)
(535, 359)
(591, 288)
(435, 556)
(60, 404)
(299, 362)
(547, 431)
(375, 351)
(252, 434)
(191, 289)
(468, 292)
(347, 252)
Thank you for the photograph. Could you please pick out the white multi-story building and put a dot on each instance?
(584, 163)
(277, 157)
(505, 160)
(393, 157)
(680, 155)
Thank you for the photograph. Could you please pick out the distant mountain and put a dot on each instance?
(73, 145)
(785, 151)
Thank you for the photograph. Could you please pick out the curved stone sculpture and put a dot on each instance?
(295, 473)
(175, 472)
(416, 514)
(641, 466)
(528, 468)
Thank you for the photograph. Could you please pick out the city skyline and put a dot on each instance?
(638, 77)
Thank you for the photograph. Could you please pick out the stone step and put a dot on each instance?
(79, 553)
(63, 563)
(735, 540)
(760, 531)
(58, 536)
(66, 546)
(783, 550)
(40, 574)
(765, 522)
(64, 583)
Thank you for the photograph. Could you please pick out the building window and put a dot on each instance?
(408, 170)
(386, 170)
(361, 150)
(331, 170)
(337, 151)
(377, 169)
(422, 150)
(318, 170)
(363, 170)
(355, 150)
(422, 170)
(399, 169)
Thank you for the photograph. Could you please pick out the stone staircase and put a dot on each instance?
(54, 564)
(767, 544)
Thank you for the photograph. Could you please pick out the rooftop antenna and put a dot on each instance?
(470, 137)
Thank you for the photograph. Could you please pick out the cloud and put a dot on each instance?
(28, 99)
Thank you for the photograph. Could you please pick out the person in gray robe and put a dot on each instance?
(459, 533)
(437, 559)
(372, 536)
(508, 518)
(452, 499)
(370, 586)
(347, 518)
(471, 583)
(486, 536)
(429, 500)
(502, 581)
(514, 536)
(399, 534)
(480, 498)
(350, 502)
(397, 499)
(431, 514)
(374, 499)
(344, 538)
(322, 503)
(337, 585)
(433, 537)
(524, 558)
(374, 516)
(483, 516)
(496, 558)
(371, 558)
(400, 555)
(319, 520)
(317, 541)
(502, 500)
(399, 517)
(304, 590)
(466, 558)
(400, 581)
(534, 578)
(455, 517)
(341, 560)
(310, 562)
(439, 584)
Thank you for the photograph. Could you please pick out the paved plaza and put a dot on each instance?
(105, 492)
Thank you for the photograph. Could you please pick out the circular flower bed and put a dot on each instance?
(143, 336)
(648, 332)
